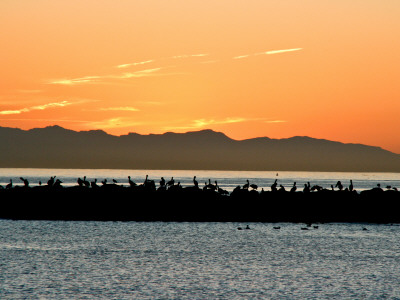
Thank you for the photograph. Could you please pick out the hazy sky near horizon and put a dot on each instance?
(325, 69)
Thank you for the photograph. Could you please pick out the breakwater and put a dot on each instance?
(171, 202)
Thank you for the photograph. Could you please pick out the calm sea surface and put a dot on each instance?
(127, 260)
(133, 260)
(226, 179)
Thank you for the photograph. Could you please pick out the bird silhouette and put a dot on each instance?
(196, 184)
(254, 186)
(274, 185)
(57, 183)
(85, 182)
(93, 184)
(294, 188)
(246, 186)
(210, 186)
(10, 185)
(25, 181)
(171, 182)
(351, 187)
(339, 185)
(50, 182)
(131, 183)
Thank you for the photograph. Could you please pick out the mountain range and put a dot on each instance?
(57, 147)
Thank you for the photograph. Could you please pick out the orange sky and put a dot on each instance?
(325, 69)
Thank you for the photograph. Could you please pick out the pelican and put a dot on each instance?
(294, 188)
(50, 182)
(273, 186)
(351, 187)
(93, 184)
(131, 183)
(10, 185)
(254, 186)
(85, 182)
(339, 185)
(211, 186)
(26, 182)
(246, 186)
(171, 182)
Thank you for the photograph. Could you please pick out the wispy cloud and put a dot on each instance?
(268, 53)
(113, 123)
(122, 108)
(38, 107)
(100, 79)
(201, 123)
(279, 51)
(137, 74)
(135, 64)
(242, 56)
(190, 55)
(205, 122)
(47, 120)
(73, 81)
(276, 121)
(208, 62)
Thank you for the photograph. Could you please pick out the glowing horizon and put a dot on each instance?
(324, 70)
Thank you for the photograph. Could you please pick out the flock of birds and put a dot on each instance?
(307, 227)
(208, 186)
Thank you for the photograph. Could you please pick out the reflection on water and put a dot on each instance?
(226, 179)
(70, 260)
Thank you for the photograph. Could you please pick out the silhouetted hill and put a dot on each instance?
(56, 147)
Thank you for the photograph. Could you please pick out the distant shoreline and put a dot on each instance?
(216, 170)
(57, 147)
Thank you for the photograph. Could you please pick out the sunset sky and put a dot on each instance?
(283, 68)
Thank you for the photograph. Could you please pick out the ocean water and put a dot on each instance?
(226, 179)
(134, 260)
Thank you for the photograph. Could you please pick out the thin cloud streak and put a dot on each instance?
(38, 107)
(80, 80)
(276, 121)
(149, 72)
(208, 62)
(46, 120)
(279, 51)
(242, 56)
(268, 53)
(97, 79)
(135, 64)
(113, 123)
(124, 108)
(138, 74)
(190, 55)
(201, 123)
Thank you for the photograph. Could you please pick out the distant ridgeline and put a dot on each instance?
(172, 202)
(56, 147)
